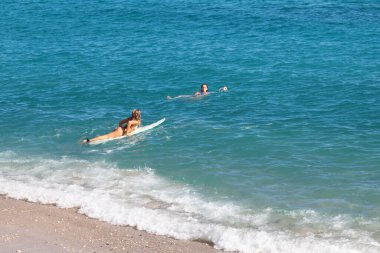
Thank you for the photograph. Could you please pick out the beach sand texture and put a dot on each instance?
(34, 228)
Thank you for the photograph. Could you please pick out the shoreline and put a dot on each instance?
(28, 227)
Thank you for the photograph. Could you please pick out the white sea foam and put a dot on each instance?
(139, 197)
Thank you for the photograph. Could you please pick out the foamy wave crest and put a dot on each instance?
(139, 197)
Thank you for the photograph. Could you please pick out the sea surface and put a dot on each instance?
(288, 160)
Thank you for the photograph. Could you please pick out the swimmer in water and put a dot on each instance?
(203, 92)
(223, 89)
(126, 126)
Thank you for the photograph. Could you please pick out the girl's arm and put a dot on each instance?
(122, 122)
(131, 125)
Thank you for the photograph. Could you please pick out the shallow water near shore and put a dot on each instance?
(286, 161)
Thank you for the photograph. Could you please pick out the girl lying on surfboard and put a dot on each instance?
(203, 92)
(126, 126)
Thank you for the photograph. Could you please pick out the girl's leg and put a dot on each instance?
(115, 133)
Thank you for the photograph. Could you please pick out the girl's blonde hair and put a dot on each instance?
(136, 114)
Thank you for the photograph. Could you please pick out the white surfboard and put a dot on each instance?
(137, 131)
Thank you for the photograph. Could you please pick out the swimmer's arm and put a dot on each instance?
(131, 125)
(179, 96)
(122, 122)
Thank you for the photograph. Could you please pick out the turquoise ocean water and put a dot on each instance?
(286, 161)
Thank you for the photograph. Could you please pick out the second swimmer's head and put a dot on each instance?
(224, 88)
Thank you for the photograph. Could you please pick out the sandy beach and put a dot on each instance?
(34, 228)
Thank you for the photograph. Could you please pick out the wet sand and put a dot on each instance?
(27, 227)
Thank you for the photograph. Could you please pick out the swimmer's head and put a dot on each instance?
(223, 89)
(136, 114)
(204, 88)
